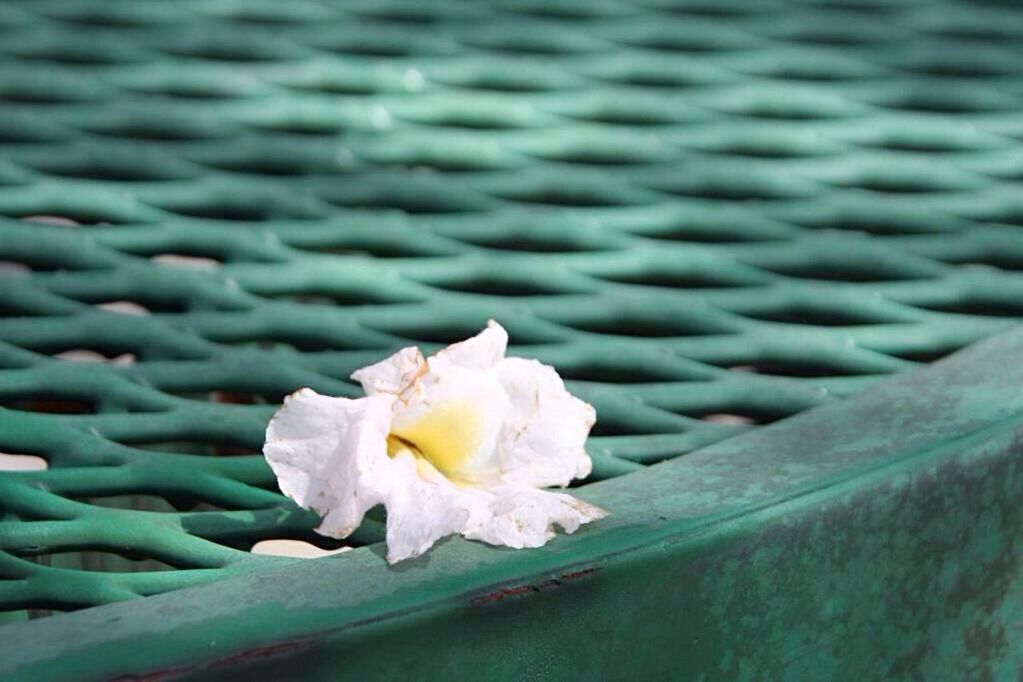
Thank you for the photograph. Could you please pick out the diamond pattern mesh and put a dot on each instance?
(708, 216)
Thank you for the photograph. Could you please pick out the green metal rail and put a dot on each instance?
(708, 216)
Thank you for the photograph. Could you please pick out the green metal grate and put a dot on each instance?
(708, 216)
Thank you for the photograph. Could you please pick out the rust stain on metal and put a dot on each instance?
(501, 594)
(156, 675)
(262, 652)
(246, 656)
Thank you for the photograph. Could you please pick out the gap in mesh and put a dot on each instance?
(524, 45)
(22, 133)
(230, 397)
(845, 271)
(895, 184)
(302, 344)
(11, 308)
(304, 128)
(979, 33)
(797, 368)
(186, 262)
(100, 16)
(818, 316)
(709, 234)
(926, 356)
(396, 199)
(14, 94)
(620, 425)
(470, 119)
(188, 92)
(299, 549)
(124, 307)
(738, 415)
(227, 212)
(376, 250)
(369, 45)
(986, 307)
(940, 102)
(1008, 216)
(307, 535)
(943, 67)
(21, 462)
(489, 285)
(107, 350)
(103, 561)
(1003, 260)
(352, 299)
(76, 216)
(500, 81)
(207, 447)
(679, 280)
(771, 148)
(69, 55)
(86, 355)
(156, 129)
(337, 85)
(712, 9)
(872, 224)
(21, 268)
(550, 242)
(255, 51)
(441, 332)
(727, 188)
(613, 374)
(832, 36)
(599, 157)
(561, 195)
(672, 42)
(166, 503)
(265, 16)
(652, 78)
(401, 12)
(624, 114)
(49, 403)
(654, 328)
(140, 307)
(434, 162)
(113, 169)
(274, 167)
(730, 419)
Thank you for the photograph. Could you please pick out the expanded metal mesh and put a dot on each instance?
(706, 215)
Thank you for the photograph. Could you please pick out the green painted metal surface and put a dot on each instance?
(707, 216)
(874, 539)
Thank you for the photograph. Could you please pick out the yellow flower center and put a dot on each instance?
(445, 438)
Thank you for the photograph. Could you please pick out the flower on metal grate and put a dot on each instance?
(460, 442)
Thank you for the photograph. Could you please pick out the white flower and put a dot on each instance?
(461, 442)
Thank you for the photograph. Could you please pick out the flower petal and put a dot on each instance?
(520, 516)
(324, 449)
(393, 375)
(542, 442)
(453, 416)
(421, 510)
(480, 352)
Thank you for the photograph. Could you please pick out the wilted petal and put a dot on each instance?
(481, 352)
(454, 418)
(393, 375)
(520, 516)
(323, 450)
(422, 507)
(542, 443)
